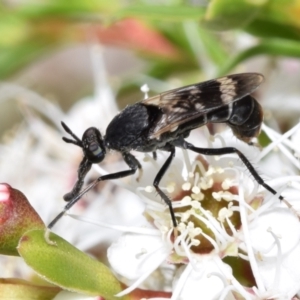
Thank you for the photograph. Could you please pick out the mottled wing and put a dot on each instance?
(187, 103)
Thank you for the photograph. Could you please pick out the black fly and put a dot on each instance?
(164, 121)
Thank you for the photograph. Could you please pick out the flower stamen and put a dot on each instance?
(278, 259)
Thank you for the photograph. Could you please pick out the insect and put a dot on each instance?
(164, 121)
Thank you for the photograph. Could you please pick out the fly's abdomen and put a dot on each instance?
(246, 118)
(243, 116)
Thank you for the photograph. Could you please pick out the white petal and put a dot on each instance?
(279, 270)
(66, 295)
(200, 284)
(133, 255)
(283, 223)
(288, 283)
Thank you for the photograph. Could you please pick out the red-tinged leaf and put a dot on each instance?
(16, 217)
(134, 34)
(146, 294)
(13, 288)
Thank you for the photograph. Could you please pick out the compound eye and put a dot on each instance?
(95, 153)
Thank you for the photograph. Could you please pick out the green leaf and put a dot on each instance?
(104, 10)
(270, 29)
(229, 14)
(18, 289)
(65, 9)
(173, 13)
(13, 30)
(267, 47)
(67, 267)
(14, 58)
(214, 47)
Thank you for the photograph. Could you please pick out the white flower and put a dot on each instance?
(226, 224)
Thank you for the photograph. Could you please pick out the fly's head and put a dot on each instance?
(93, 145)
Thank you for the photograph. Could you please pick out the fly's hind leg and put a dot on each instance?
(158, 178)
(243, 158)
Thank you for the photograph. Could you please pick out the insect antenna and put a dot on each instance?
(77, 141)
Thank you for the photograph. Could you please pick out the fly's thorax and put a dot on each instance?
(130, 128)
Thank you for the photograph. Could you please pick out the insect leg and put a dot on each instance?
(230, 150)
(154, 154)
(157, 180)
(83, 169)
(131, 161)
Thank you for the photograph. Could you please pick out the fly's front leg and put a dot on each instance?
(83, 169)
(130, 160)
(157, 180)
(133, 163)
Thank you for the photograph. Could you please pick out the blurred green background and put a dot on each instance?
(46, 46)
